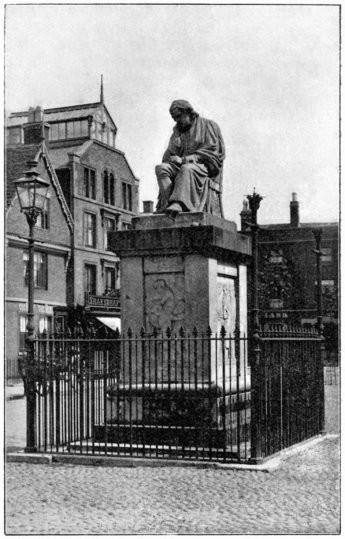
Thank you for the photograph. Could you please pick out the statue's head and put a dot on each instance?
(183, 114)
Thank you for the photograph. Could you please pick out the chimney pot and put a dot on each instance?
(36, 130)
(246, 216)
(294, 211)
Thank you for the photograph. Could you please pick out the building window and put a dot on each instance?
(23, 321)
(326, 285)
(109, 225)
(109, 280)
(126, 226)
(89, 229)
(327, 254)
(43, 216)
(89, 186)
(90, 278)
(57, 131)
(112, 141)
(126, 196)
(276, 303)
(77, 128)
(59, 324)
(15, 135)
(276, 258)
(68, 130)
(109, 188)
(40, 269)
(45, 324)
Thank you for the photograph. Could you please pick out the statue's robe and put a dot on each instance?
(202, 148)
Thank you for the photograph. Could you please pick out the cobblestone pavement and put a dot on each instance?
(301, 496)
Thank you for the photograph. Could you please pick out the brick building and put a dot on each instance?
(288, 273)
(98, 193)
(53, 233)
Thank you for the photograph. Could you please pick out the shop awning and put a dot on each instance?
(110, 322)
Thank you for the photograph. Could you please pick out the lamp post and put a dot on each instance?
(254, 201)
(32, 193)
(318, 252)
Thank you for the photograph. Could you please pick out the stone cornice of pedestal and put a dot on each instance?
(186, 219)
(203, 234)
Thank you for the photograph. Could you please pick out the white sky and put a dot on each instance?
(268, 75)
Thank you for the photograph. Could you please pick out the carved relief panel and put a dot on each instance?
(164, 293)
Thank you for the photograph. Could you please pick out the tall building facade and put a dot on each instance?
(96, 191)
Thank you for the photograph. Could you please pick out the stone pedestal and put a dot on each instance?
(185, 272)
(188, 272)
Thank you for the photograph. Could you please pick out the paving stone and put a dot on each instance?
(301, 496)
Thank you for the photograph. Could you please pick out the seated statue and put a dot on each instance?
(194, 156)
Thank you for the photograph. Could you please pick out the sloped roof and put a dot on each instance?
(16, 163)
(59, 156)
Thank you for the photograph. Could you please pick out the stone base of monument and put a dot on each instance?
(176, 415)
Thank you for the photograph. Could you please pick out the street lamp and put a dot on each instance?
(32, 193)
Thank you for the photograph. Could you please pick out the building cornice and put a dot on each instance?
(22, 242)
(37, 301)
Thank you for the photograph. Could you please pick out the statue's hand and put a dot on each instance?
(176, 160)
(190, 159)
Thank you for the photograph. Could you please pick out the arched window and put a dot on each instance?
(106, 187)
(109, 188)
(112, 189)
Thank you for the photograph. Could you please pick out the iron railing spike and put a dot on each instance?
(117, 333)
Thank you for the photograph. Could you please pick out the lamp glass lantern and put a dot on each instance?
(32, 192)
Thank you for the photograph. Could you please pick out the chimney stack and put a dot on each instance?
(36, 130)
(246, 217)
(148, 206)
(294, 211)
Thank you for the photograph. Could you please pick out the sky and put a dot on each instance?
(267, 74)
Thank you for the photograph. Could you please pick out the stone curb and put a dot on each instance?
(125, 462)
(98, 460)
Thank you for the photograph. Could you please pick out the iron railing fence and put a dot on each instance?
(178, 394)
(185, 395)
(291, 387)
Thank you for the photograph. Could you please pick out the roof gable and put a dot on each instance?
(16, 163)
